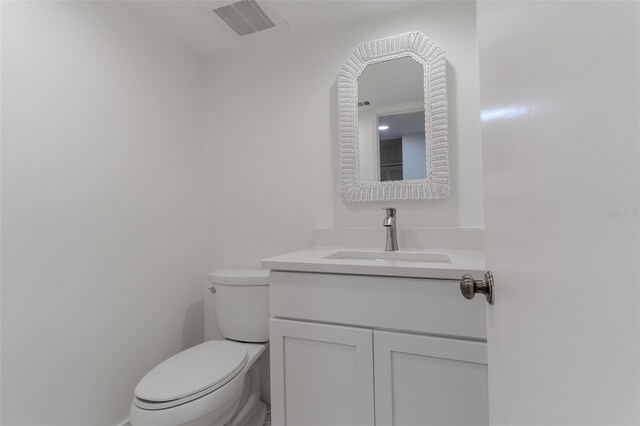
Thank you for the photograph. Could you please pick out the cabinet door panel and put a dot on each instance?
(424, 380)
(321, 374)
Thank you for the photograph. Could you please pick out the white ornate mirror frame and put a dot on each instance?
(432, 58)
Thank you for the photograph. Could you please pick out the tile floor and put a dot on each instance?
(267, 421)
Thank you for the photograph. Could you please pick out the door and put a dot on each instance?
(559, 89)
(328, 379)
(423, 380)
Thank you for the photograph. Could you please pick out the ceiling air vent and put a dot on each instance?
(244, 17)
(364, 103)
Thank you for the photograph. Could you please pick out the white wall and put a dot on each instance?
(414, 152)
(271, 149)
(101, 209)
(1, 94)
(368, 144)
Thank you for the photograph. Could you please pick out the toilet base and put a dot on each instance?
(256, 418)
(253, 411)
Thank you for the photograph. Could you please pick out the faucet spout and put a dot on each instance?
(390, 224)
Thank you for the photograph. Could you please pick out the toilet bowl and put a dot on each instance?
(217, 382)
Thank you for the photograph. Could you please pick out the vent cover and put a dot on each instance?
(364, 103)
(244, 17)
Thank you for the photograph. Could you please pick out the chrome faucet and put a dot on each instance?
(390, 224)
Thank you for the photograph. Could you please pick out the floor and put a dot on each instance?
(267, 421)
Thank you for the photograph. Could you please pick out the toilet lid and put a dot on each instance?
(192, 371)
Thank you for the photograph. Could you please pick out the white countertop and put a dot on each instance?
(314, 260)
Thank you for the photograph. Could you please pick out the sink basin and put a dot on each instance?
(382, 256)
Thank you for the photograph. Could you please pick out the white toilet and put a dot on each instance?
(216, 382)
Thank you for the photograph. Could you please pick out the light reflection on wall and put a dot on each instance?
(505, 113)
(510, 112)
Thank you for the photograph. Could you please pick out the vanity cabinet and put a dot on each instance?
(323, 374)
(423, 380)
(334, 360)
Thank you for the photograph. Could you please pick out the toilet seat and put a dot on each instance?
(215, 407)
(190, 375)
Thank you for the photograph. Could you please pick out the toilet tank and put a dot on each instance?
(241, 303)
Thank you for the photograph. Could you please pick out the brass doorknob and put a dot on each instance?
(469, 287)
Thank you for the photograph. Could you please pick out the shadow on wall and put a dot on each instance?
(452, 129)
(335, 141)
(193, 325)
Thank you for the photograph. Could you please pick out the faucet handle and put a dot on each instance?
(390, 211)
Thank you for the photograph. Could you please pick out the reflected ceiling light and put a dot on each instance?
(383, 127)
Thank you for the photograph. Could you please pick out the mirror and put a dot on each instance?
(393, 121)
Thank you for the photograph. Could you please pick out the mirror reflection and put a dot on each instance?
(391, 121)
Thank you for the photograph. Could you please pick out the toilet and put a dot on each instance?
(215, 383)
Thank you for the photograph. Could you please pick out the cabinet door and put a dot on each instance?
(321, 374)
(423, 380)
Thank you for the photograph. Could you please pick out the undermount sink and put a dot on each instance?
(382, 256)
(435, 263)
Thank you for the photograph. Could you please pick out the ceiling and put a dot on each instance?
(401, 124)
(191, 22)
(391, 82)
